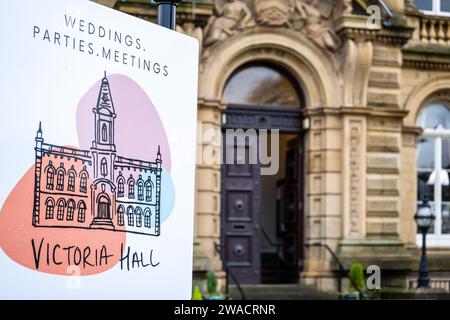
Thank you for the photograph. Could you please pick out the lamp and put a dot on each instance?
(424, 218)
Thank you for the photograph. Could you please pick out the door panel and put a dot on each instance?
(241, 195)
(240, 217)
(293, 204)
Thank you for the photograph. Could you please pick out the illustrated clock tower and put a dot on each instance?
(104, 154)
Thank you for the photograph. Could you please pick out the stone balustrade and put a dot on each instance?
(435, 30)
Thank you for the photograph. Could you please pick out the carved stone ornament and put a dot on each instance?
(311, 17)
(310, 20)
(273, 12)
(234, 15)
(347, 6)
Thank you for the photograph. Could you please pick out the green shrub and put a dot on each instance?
(212, 283)
(196, 295)
(356, 274)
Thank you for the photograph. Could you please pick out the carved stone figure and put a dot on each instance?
(309, 17)
(234, 15)
(347, 6)
(273, 12)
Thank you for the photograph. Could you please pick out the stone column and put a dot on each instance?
(323, 215)
(207, 215)
(408, 185)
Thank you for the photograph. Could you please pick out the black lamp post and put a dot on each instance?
(424, 219)
(167, 13)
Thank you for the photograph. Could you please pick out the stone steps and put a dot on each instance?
(280, 292)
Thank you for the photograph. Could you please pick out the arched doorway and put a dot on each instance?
(103, 207)
(261, 214)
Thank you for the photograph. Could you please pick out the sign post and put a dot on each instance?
(167, 13)
(97, 192)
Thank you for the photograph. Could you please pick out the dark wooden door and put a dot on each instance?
(292, 237)
(241, 192)
(103, 208)
(240, 216)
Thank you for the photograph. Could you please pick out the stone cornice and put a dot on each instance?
(361, 111)
(185, 11)
(426, 56)
(210, 104)
(417, 131)
(356, 27)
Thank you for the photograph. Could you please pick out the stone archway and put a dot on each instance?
(313, 70)
(291, 50)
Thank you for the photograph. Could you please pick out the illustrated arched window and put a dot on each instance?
(131, 188)
(148, 190)
(433, 166)
(120, 186)
(71, 181)
(60, 179)
(83, 182)
(120, 212)
(103, 167)
(50, 177)
(130, 216)
(60, 207)
(104, 133)
(262, 85)
(140, 190)
(138, 217)
(70, 210)
(81, 211)
(148, 218)
(49, 208)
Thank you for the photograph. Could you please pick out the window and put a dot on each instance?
(104, 133)
(435, 7)
(120, 183)
(83, 182)
(261, 85)
(433, 168)
(50, 177)
(81, 211)
(61, 205)
(70, 209)
(130, 216)
(138, 217)
(49, 208)
(140, 190)
(147, 218)
(71, 183)
(148, 191)
(60, 180)
(104, 167)
(131, 188)
(120, 211)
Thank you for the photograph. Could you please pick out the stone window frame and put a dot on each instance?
(436, 9)
(435, 239)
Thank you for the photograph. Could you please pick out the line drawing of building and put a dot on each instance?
(96, 188)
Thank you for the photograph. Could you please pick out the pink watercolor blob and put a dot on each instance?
(138, 127)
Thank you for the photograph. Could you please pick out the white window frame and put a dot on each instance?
(437, 239)
(436, 5)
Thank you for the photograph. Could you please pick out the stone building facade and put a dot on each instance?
(369, 77)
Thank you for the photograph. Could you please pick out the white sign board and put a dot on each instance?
(98, 154)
